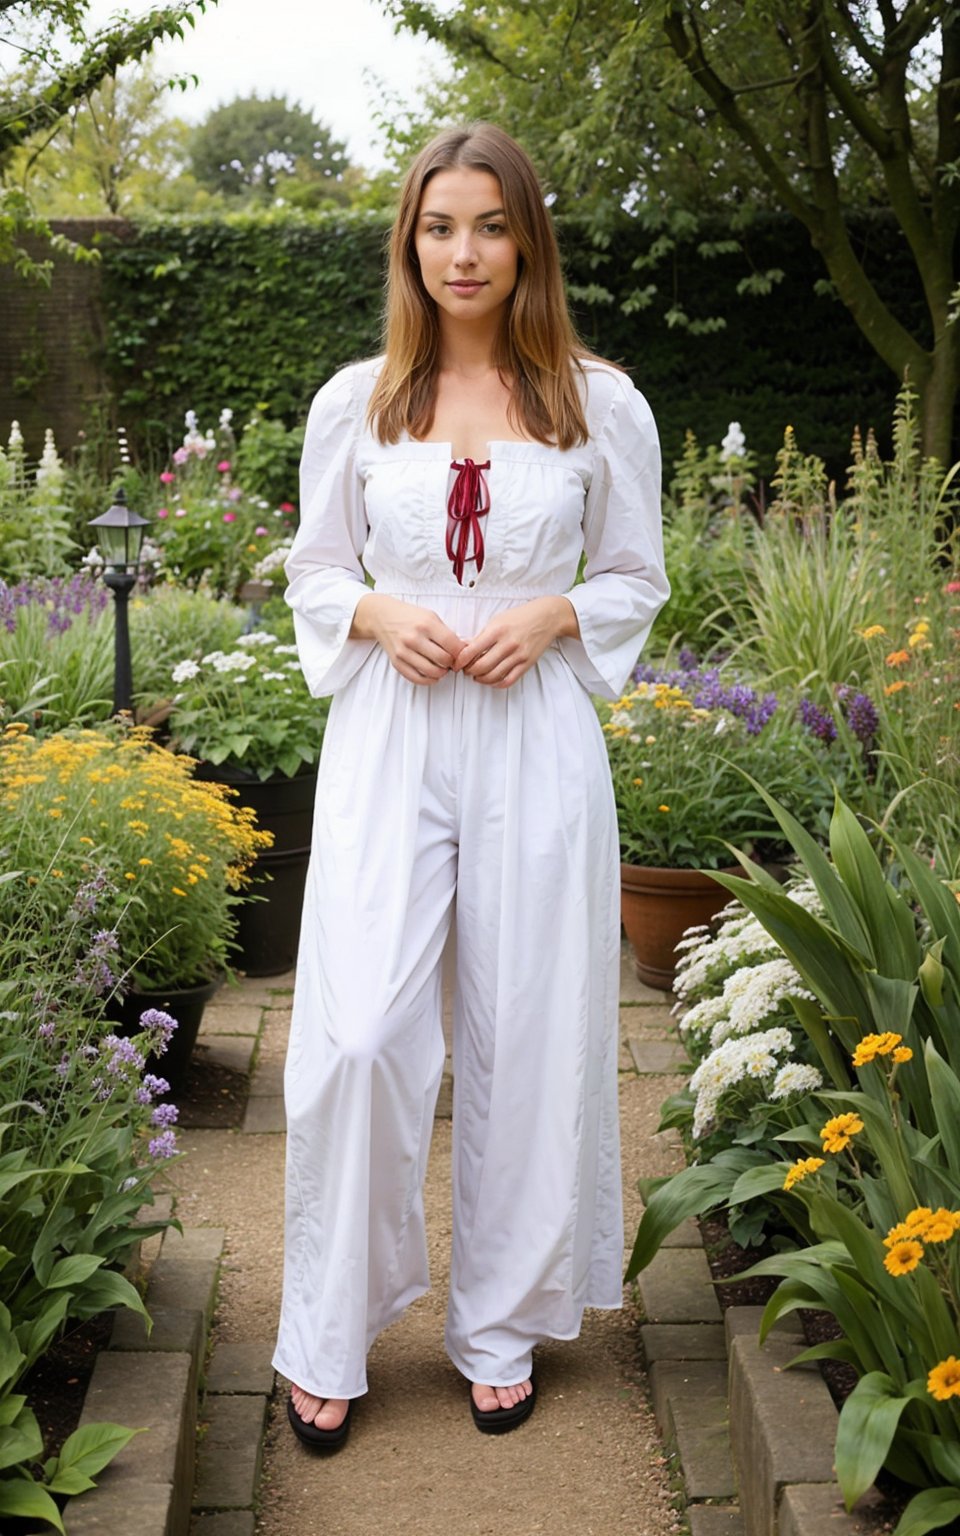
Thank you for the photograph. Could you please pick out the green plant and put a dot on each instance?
(83, 1135)
(56, 651)
(34, 533)
(268, 459)
(883, 962)
(174, 851)
(248, 708)
(170, 624)
(680, 798)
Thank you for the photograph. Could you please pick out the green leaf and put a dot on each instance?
(945, 1096)
(884, 913)
(758, 1181)
(928, 1510)
(20, 1496)
(85, 1453)
(73, 1270)
(697, 1188)
(21, 1440)
(108, 1289)
(867, 1425)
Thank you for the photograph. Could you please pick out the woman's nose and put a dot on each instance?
(465, 254)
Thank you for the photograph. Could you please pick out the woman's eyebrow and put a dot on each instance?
(430, 214)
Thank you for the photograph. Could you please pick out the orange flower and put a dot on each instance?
(898, 658)
(895, 687)
(903, 1257)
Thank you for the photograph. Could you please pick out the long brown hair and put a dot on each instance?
(538, 348)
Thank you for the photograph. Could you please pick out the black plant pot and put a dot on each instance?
(269, 929)
(186, 1005)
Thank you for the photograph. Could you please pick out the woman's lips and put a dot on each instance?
(466, 286)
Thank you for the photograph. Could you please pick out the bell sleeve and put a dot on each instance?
(326, 578)
(625, 584)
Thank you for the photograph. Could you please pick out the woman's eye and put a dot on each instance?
(439, 229)
(494, 229)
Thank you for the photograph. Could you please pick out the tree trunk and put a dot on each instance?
(938, 398)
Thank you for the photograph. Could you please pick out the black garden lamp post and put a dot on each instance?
(120, 535)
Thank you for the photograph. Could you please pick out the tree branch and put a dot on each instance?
(869, 55)
(946, 196)
(19, 120)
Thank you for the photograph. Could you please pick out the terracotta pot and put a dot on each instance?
(656, 905)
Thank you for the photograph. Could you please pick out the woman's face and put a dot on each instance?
(468, 257)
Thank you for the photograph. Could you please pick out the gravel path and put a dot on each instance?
(589, 1459)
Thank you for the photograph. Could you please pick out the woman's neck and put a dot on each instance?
(468, 348)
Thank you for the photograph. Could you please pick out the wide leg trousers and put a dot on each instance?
(498, 804)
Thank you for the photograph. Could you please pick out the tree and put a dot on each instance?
(60, 64)
(116, 152)
(821, 106)
(259, 149)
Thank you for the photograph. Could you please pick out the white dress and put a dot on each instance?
(496, 803)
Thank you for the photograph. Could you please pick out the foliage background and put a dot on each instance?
(239, 310)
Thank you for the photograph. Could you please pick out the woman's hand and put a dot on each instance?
(417, 641)
(514, 641)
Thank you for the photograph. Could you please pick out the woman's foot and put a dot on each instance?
(322, 1412)
(489, 1399)
(497, 1409)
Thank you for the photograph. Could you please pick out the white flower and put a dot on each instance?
(752, 1056)
(15, 440)
(734, 445)
(50, 467)
(286, 650)
(226, 416)
(93, 560)
(211, 658)
(236, 661)
(795, 1077)
(274, 677)
(751, 994)
(183, 671)
(190, 421)
(257, 637)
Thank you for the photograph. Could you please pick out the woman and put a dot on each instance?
(463, 768)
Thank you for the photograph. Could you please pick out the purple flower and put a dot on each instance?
(87, 895)
(154, 1021)
(63, 1065)
(46, 1030)
(862, 717)
(165, 1115)
(164, 1145)
(158, 1086)
(124, 1055)
(817, 721)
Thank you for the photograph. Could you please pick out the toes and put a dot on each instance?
(306, 1405)
(331, 1414)
(485, 1398)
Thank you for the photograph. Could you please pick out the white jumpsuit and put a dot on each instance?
(496, 803)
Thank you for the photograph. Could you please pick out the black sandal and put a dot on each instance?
(323, 1440)
(497, 1421)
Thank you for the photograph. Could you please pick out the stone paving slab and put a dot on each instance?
(690, 1401)
(241, 1367)
(632, 989)
(146, 1488)
(656, 1058)
(687, 1235)
(683, 1341)
(817, 1509)
(228, 1464)
(229, 1522)
(767, 1404)
(230, 1019)
(267, 991)
(676, 1288)
(716, 1520)
(267, 1080)
(177, 1329)
(264, 1115)
(233, 1051)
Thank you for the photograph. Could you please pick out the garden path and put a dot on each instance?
(589, 1460)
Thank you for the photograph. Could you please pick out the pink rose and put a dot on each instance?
(167, 477)
(224, 466)
(163, 512)
(952, 586)
(229, 517)
(287, 506)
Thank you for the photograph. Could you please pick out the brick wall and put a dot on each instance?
(51, 341)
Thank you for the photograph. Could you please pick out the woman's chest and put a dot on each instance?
(534, 499)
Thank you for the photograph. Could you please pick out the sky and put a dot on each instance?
(334, 57)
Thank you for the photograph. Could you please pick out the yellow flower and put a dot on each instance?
(903, 1256)
(838, 1133)
(897, 658)
(144, 861)
(57, 874)
(871, 631)
(872, 1046)
(55, 813)
(663, 807)
(87, 840)
(916, 1220)
(940, 1226)
(138, 826)
(638, 782)
(902, 1053)
(649, 740)
(944, 1380)
(800, 1169)
(177, 891)
(129, 875)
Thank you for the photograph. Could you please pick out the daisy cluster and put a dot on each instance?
(707, 959)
